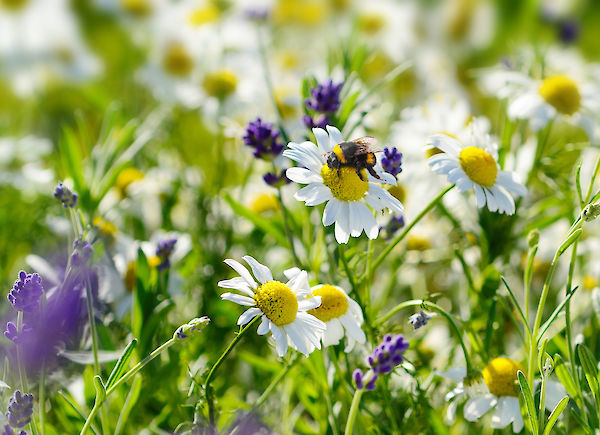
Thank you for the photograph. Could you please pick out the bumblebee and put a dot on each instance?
(358, 154)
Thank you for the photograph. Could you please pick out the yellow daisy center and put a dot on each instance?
(204, 15)
(398, 191)
(589, 282)
(264, 202)
(561, 93)
(334, 303)
(500, 376)
(177, 60)
(220, 83)
(417, 243)
(13, 5)
(347, 186)
(479, 166)
(371, 23)
(277, 301)
(126, 177)
(105, 227)
(137, 8)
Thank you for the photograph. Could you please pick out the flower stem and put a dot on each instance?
(353, 412)
(215, 367)
(415, 221)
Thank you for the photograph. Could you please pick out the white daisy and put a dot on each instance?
(570, 95)
(341, 314)
(499, 391)
(283, 307)
(348, 197)
(473, 164)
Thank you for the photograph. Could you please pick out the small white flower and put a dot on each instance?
(473, 164)
(283, 307)
(348, 197)
(498, 391)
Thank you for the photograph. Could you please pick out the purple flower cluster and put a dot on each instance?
(82, 251)
(263, 138)
(26, 292)
(361, 382)
(14, 335)
(7, 430)
(388, 354)
(392, 160)
(418, 320)
(65, 196)
(395, 223)
(20, 409)
(274, 179)
(164, 249)
(324, 102)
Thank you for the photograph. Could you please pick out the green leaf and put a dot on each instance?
(347, 108)
(260, 222)
(555, 313)
(69, 149)
(100, 389)
(125, 356)
(87, 357)
(529, 403)
(570, 240)
(132, 398)
(555, 414)
(564, 376)
(589, 367)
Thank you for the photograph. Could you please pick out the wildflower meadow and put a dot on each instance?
(300, 217)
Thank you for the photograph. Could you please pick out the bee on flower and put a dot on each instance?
(473, 164)
(347, 186)
(283, 307)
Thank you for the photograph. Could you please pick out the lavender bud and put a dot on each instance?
(13, 334)
(392, 161)
(164, 249)
(20, 409)
(263, 138)
(357, 375)
(190, 328)
(388, 354)
(419, 319)
(67, 198)
(26, 292)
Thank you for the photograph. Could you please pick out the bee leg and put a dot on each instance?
(339, 172)
(358, 169)
(372, 172)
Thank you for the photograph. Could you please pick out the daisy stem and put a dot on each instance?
(215, 367)
(415, 221)
(353, 412)
(433, 307)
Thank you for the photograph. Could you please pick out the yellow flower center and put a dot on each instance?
(303, 12)
(589, 282)
(105, 227)
(277, 301)
(131, 276)
(203, 15)
(479, 166)
(220, 83)
(500, 376)
(177, 60)
(371, 23)
(334, 303)
(561, 93)
(398, 191)
(13, 5)
(137, 8)
(347, 186)
(126, 177)
(416, 243)
(264, 202)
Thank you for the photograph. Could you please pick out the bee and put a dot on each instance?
(358, 154)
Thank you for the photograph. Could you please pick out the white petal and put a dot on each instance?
(386, 198)
(352, 328)
(342, 231)
(506, 204)
(331, 211)
(491, 200)
(506, 412)
(264, 326)
(238, 299)
(292, 272)
(260, 271)
(555, 392)
(237, 283)
(335, 136)
(248, 315)
(478, 405)
(322, 140)
(510, 182)
(296, 338)
(334, 333)
(309, 303)
(455, 373)
(479, 195)
(281, 343)
(456, 174)
(311, 322)
(525, 106)
(314, 194)
(445, 143)
(368, 222)
(303, 176)
(299, 283)
(242, 271)
(354, 221)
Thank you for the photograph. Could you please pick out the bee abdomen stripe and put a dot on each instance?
(337, 150)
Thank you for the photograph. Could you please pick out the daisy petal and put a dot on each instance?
(309, 303)
(479, 405)
(352, 328)
(260, 271)
(239, 268)
(506, 412)
(335, 136)
(248, 315)
(331, 211)
(322, 140)
(281, 343)
(342, 232)
(303, 176)
(264, 326)
(237, 283)
(238, 299)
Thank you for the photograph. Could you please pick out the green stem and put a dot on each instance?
(42, 399)
(353, 412)
(22, 376)
(415, 221)
(215, 367)
(274, 382)
(433, 307)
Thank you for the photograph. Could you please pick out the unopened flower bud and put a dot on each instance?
(533, 238)
(190, 328)
(591, 212)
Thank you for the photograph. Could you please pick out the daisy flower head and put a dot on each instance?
(349, 197)
(341, 314)
(473, 164)
(283, 306)
(498, 391)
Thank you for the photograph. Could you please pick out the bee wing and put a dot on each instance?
(366, 144)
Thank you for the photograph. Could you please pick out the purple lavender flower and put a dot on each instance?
(65, 196)
(275, 180)
(7, 430)
(392, 160)
(13, 334)
(26, 292)
(359, 379)
(395, 224)
(568, 31)
(324, 102)
(418, 320)
(388, 354)
(164, 249)
(263, 138)
(82, 251)
(20, 409)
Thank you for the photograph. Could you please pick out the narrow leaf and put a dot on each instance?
(556, 412)
(123, 360)
(529, 403)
